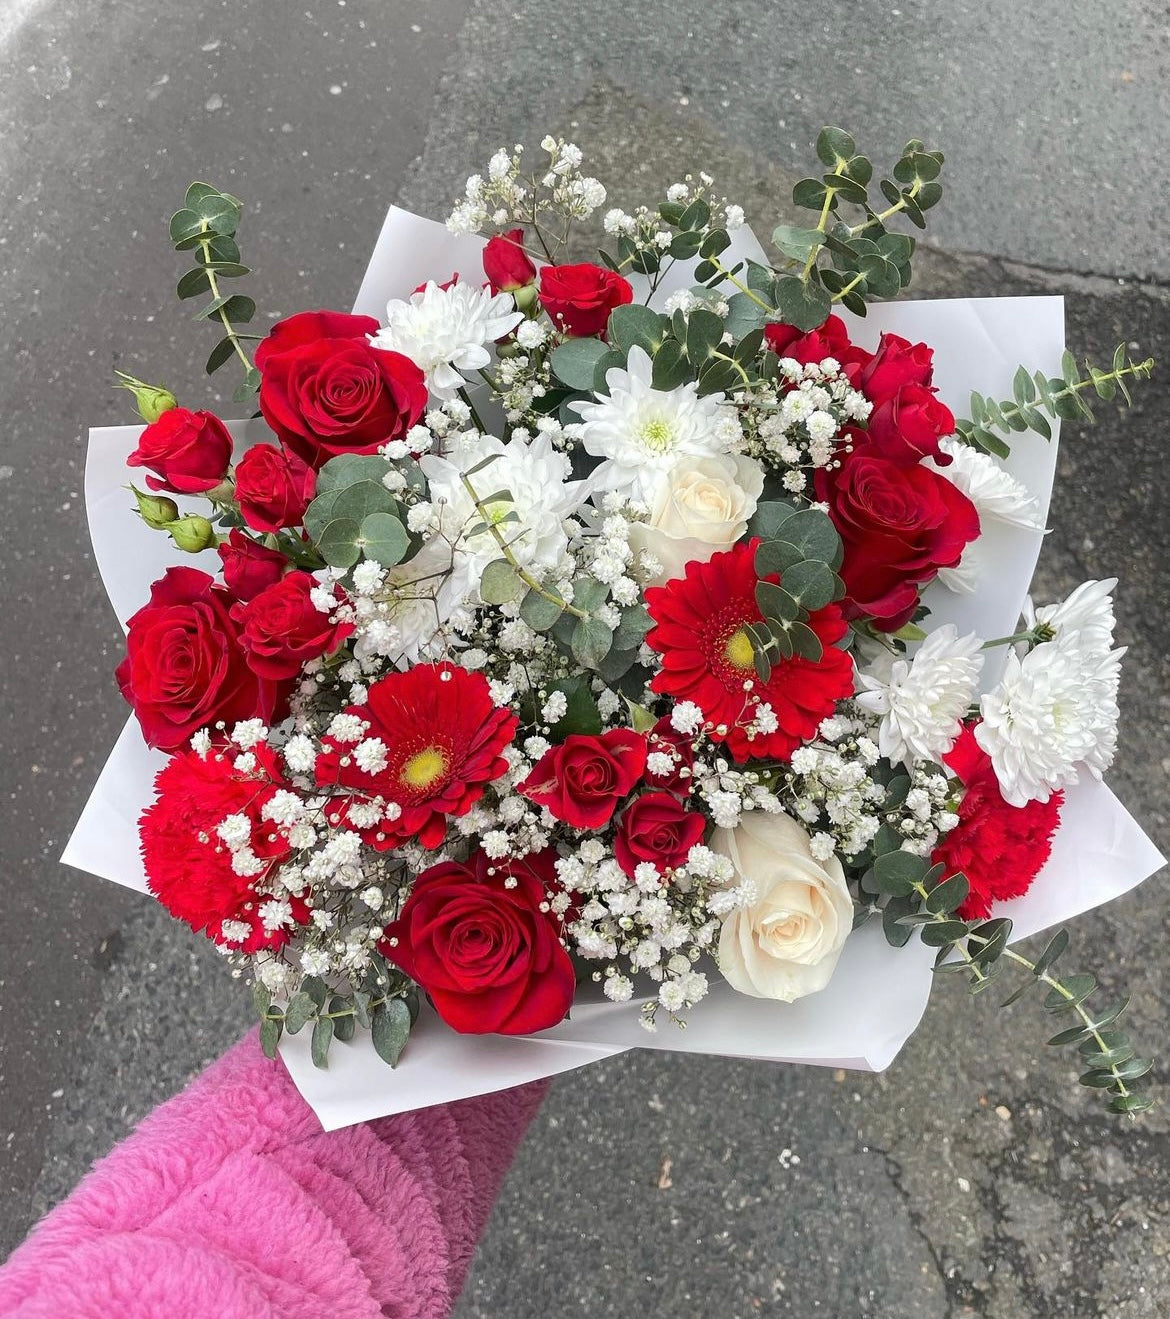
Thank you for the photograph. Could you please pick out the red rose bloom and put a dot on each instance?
(325, 391)
(583, 780)
(580, 298)
(899, 525)
(443, 739)
(700, 632)
(185, 667)
(248, 566)
(897, 363)
(281, 629)
(668, 741)
(999, 847)
(656, 828)
(474, 937)
(831, 340)
(273, 488)
(190, 451)
(188, 868)
(506, 264)
(908, 425)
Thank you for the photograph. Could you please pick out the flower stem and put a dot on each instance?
(213, 285)
(743, 288)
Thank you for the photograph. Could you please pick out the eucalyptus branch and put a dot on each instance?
(826, 209)
(221, 303)
(742, 287)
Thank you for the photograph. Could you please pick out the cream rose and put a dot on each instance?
(702, 506)
(786, 943)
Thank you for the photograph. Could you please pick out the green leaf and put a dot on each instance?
(359, 500)
(635, 622)
(591, 642)
(704, 332)
(744, 314)
(221, 353)
(322, 1039)
(316, 989)
(897, 935)
(696, 216)
(686, 244)
(635, 324)
(348, 469)
(775, 602)
(261, 997)
(582, 715)
(942, 934)
(671, 367)
(898, 872)
(797, 244)
(500, 583)
(768, 519)
(270, 1030)
(1056, 946)
(805, 305)
(220, 211)
(575, 360)
(949, 895)
(811, 584)
(834, 144)
(539, 612)
(344, 1023)
(812, 532)
(193, 284)
(1131, 1104)
(300, 1009)
(805, 642)
(338, 543)
(383, 539)
(185, 225)
(361, 1008)
(1074, 990)
(239, 309)
(611, 361)
(391, 1029)
(717, 240)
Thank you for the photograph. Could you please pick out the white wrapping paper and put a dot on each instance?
(878, 994)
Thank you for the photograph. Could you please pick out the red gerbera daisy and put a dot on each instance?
(999, 847)
(701, 621)
(441, 741)
(188, 867)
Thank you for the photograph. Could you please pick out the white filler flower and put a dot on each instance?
(923, 701)
(447, 331)
(642, 432)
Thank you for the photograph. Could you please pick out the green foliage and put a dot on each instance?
(1034, 396)
(206, 226)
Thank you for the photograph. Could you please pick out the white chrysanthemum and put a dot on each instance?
(922, 702)
(446, 331)
(1083, 622)
(641, 431)
(1054, 710)
(532, 481)
(993, 490)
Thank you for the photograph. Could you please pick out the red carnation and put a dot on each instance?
(443, 739)
(248, 566)
(273, 488)
(506, 264)
(701, 621)
(999, 847)
(282, 629)
(474, 936)
(583, 780)
(190, 451)
(185, 668)
(656, 828)
(325, 391)
(580, 298)
(899, 524)
(188, 867)
(830, 340)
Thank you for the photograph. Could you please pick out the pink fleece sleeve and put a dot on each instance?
(229, 1200)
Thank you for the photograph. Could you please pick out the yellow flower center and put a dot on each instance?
(738, 651)
(424, 768)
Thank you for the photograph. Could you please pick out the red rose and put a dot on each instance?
(583, 780)
(999, 847)
(281, 628)
(190, 451)
(908, 425)
(273, 488)
(897, 362)
(185, 668)
(474, 937)
(668, 741)
(831, 340)
(899, 525)
(325, 391)
(580, 298)
(446, 284)
(248, 566)
(656, 828)
(506, 264)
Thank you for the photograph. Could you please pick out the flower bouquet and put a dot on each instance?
(569, 652)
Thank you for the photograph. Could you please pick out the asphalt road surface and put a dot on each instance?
(971, 1179)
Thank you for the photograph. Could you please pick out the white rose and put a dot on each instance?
(702, 506)
(785, 944)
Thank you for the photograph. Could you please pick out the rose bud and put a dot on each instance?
(273, 488)
(506, 264)
(579, 298)
(248, 566)
(192, 533)
(151, 400)
(157, 511)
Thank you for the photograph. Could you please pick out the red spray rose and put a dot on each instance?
(583, 780)
(999, 847)
(281, 628)
(656, 828)
(325, 391)
(248, 566)
(899, 525)
(474, 937)
(580, 298)
(185, 667)
(668, 741)
(506, 264)
(830, 340)
(273, 488)
(896, 363)
(908, 425)
(190, 451)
